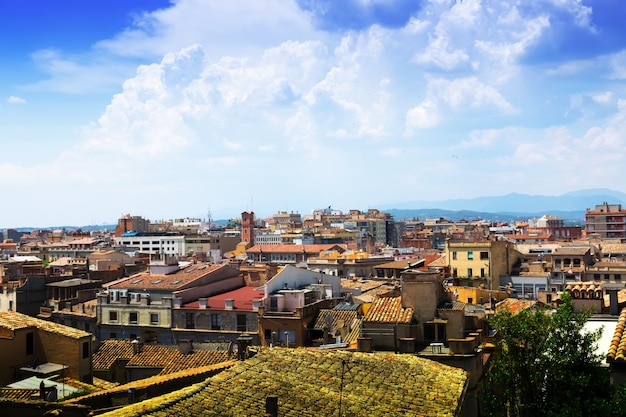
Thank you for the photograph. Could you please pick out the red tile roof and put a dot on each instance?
(514, 305)
(388, 310)
(174, 281)
(242, 299)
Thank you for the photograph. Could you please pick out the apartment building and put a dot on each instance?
(480, 263)
(140, 306)
(606, 221)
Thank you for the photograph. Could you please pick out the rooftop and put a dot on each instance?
(388, 310)
(13, 321)
(312, 383)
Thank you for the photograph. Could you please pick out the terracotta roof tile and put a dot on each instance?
(13, 321)
(309, 382)
(174, 281)
(388, 310)
(617, 349)
(167, 357)
(349, 318)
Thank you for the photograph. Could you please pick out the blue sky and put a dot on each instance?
(171, 109)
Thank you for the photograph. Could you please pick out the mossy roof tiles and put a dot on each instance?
(13, 321)
(158, 356)
(314, 383)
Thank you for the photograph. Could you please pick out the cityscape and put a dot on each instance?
(313, 208)
(161, 313)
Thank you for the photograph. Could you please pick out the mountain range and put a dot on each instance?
(510, 207)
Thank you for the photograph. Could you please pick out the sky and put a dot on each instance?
(173, 109)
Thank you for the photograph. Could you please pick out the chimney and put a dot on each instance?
(137, 345)
(177, 302)
(185, 346)
(229, 304)
(203, 302)
(256, 304)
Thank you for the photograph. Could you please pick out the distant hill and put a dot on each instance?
(510, 207)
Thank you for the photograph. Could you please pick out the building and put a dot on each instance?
(606, 221)
(480, 263)
(35, 347)
(288, 254)
(291, 302)
(128, 223)
(140, 306)
(221, 317)
(123, 361)
(153, 243)
(247, 228)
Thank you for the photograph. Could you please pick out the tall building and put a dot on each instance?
(607, 221)
(247, 227)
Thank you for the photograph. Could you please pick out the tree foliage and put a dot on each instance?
(545, 364)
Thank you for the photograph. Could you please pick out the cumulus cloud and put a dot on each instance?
(201, 89)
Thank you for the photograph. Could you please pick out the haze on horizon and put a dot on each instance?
(171, 109)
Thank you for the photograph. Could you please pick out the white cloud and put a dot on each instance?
(422, 116)
(16, 100)
(249, 91)
(603, 98)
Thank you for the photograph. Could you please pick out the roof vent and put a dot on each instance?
(229, 304)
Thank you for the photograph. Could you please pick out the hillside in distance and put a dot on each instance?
(510, 207)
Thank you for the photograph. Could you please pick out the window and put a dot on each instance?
(548, 298)
(470, 255)
(112, 315)
(469, 272)
(484, 256)
(216, 321)
(454, 255)
(618, 277)
(112, 335)
(30, 343)
(154, 318)
(132, 317)
(482, 272)
(190, 321)
(241, 323)
(85, 350)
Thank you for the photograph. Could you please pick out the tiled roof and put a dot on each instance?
(388, 310)
(13, 321)
(172, 360)
(402, 264)
(571, 250)
(18, 394)
(242, 299)
(309, 383)
(617, 349)
(440, 262)
(174, 281)
(110, 351)
(155, 381)
(337, 318)
(514, 305)
(167, 357)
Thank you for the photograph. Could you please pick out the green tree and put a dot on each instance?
(545, 364)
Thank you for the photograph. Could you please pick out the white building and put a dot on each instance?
(153, 244)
